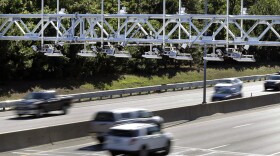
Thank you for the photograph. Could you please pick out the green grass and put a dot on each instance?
(16, 90)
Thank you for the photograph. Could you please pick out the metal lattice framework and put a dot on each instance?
(141, 28)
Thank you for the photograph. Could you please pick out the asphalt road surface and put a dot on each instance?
(247, 133)
(84, 111)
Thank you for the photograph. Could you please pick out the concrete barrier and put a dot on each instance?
(197, 111)
(47, 135)
(23, 139)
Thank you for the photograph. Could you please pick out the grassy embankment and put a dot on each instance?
(16, 90)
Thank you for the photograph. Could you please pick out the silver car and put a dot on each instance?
(233, 83)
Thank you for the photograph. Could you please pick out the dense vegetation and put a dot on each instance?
(19, 62)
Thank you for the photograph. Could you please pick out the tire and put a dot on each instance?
(113, 153)
(143, 152)
(167, 148)
(64, 109)
(101, 140)
(39, 113)
(159, 126)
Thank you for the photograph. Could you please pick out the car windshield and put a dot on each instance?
(225, 81)
(124, 133)
(104, 116)
(34, 96)
(274, 77)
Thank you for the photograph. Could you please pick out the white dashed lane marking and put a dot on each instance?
(243, 125)
(218, 147)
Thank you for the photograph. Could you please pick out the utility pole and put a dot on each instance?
(241, 19)
(205, 61)
(42, 24)
(57, 12)
(164, 12)
(102, 22)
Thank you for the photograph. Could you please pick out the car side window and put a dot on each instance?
(236, 81)
(144, 114)
(49, 96)
(125, 115)
(153, 130)
(105, 116)
(46, 96)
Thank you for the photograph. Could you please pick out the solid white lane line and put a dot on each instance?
(21, 153)
(30, 150)
(218, 147)
(243, 125)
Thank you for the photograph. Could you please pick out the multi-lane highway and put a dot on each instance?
(247, 133)
(84, 111)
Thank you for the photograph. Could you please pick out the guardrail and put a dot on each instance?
(131, 91)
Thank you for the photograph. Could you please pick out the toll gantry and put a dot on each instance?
(115, 31)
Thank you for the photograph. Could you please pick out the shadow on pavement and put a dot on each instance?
(30, 117)
(97, 147)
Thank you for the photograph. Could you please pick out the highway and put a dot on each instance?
(245, 133)
(84, 111)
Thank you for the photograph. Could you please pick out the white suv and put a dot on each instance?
(104, 120)
(138, 139)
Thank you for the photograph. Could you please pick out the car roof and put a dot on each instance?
(133, 126)
(229, 79)
(45, 91)
(125, 110)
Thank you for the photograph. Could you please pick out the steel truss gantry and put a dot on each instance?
(142, 28)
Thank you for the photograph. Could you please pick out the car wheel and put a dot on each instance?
(113, 153)
(143, 152)
(240, 96)
(159, 125)
(64, 110)
(167, 148)
(39, 113)
(101, 140)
